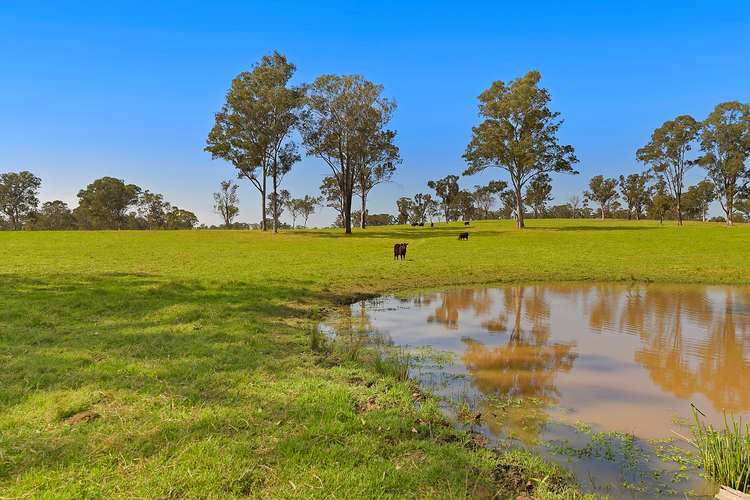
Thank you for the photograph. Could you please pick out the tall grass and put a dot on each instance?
(725, 453)
(394, 364)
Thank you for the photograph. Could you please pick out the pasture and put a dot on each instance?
(178, 363)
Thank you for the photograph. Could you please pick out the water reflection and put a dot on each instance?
(537, 358)
(647, 350)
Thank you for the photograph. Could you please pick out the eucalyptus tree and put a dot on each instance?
(405, 207)
(104, 203)
(447, 190)
(18, 196)
(538, 194)
(574, 202)
(667, 154)
(602, 191)
(153, 209)
(278, 201)
(252, 129)
(485, 196)
(226, 202)
(344, 117)
(518, 134)
(725, 142)
(636, 192)
(698, 199)
(307, 206)
(377, 165)
(661, 200)
(55, 215)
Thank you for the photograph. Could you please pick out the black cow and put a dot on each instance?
(466, 223)
(463, 236)
(399, 250)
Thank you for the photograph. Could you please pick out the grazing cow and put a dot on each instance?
(399, 250)
(466, 223)
(421, 224)
(414, 224)
(463, 236)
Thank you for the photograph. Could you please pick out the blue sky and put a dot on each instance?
(89, 89)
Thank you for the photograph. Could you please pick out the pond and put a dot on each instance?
(597, 377)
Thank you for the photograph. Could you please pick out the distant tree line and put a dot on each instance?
(106, 203)
(518, 134)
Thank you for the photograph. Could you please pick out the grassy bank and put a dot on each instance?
(179, 363)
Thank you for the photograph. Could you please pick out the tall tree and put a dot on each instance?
(54, 215)
(252, 129)
(697, 200)
(519, 135)
(405, 208)
(667, 153)
(636, 193)
(18, 196)
(226, 202)
(485, 196)
(178, 218)
(343, 116)
(286, 158)
(153, 209)
(376, 166)
(661, 201)
(447, 190)
(420, 207)
(725, 142)
(104, 203)
(464, 205)
(538, 194)
(574, 202)
(277, 202)
(307, 206)
(602, 191)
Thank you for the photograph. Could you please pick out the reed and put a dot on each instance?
(725, 452)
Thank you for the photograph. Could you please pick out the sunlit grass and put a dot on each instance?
(195, 353)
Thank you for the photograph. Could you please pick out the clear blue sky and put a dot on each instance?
(129, 89)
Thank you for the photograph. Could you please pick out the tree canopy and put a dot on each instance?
(518, 134)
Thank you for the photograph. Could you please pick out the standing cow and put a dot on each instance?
(399, 251)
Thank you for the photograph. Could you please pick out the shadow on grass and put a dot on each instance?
(402, 233)
(593, 228)
(120, 335)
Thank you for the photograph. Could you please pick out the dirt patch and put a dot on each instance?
(82, 417)
(367, 405)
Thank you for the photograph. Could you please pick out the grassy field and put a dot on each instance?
(171, 364)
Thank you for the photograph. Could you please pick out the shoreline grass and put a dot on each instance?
(191, 353)
(725, 453)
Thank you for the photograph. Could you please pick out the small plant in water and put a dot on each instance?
(725, 453)
(394, 364)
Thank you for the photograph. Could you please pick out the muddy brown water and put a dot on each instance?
(596, 377)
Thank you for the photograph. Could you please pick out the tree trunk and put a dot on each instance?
(348, 212)
(274, 207)
(679, 210)
(363, 215)
(263, 205)
(729, 210)
(519, 208)
(602, 211)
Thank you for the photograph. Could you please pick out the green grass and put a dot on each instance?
(192, 354)
(725, 453)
